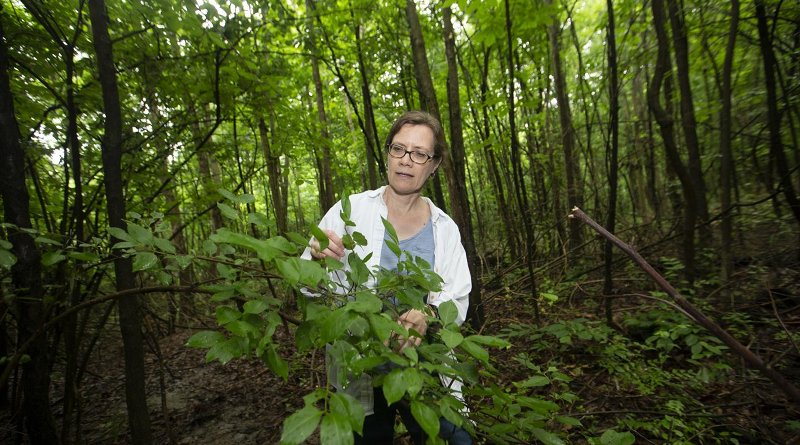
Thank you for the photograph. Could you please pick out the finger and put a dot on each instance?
(335, 243)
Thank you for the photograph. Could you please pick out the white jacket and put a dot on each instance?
(366, 210)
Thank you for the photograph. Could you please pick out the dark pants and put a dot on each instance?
(379, 427)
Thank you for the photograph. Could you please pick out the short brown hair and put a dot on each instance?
(416, 117)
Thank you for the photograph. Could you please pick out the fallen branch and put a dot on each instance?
(698, 316)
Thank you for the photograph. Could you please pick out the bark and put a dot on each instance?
(688, 120)
(456, 177)
(427, 94)
(130, 316)
(374, 151)
(611, 157)
(274, 171)
(26, 274)
(726, 168)
(777, 156)
(571, 162)
(516, 164)
(491, 161)
(666, 126)
(326, 179)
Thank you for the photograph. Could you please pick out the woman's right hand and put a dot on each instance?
(335, 248)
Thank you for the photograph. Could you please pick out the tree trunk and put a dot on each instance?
(516, 165)
(274, 172)
(26, 277)
(688, 120)
(571, 162)
(611, 158)
(777, 156)
(456, 177)
(726, 167)
(130, 316)
(374, 149)
(327, 198)
(427, 95)
(666, 125)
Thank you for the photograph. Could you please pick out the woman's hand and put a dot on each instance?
(416, 320)
(335, 248)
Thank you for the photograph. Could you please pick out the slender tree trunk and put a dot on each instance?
(571, 160)
(274, 172)
(26, 276)
(327, 198)
(130, 316)
(516, 164)
(374, 150)
(427, 95)
(666, 125)
(726, 167)
(777, 156)
(688, 120)
(611, 159)
(456, 178)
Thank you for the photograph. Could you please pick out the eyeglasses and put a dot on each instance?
(418, 157)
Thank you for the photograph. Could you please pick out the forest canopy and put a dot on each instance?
(165, 162)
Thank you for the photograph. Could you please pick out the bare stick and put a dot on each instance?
(698, 316)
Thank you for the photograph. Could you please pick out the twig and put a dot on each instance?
(749, 357)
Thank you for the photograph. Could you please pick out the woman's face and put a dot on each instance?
(406, 176)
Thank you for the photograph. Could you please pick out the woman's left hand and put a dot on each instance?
(416, 320)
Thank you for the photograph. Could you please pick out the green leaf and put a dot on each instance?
(390, 231)
(335, 430)
(164, 245)
(140, 234)
(359, 239)
(348, 406)
(412, 379)
(227, 314)
(366, 302)
(82, 256)
(3, 243)
(289, 268)
(258, 219)
(451, 338)
(612, 437)
(276, 363)
(426, 417)
(448, 312)
(119, 234)
(224, 351)
(51, 258)
(7, 259)
(209, 247)
(571, 421)
(255, 307)
(546, 437)
(394, 386)
(144, 261)
(205, 339)
(43, 240)
(490, 341)
(321, 237)
(228, 211)
(300, 425)
(474, 350)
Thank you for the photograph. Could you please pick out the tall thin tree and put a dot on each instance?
(26, 273)
(130, 315)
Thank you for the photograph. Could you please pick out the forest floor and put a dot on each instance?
(242, 402)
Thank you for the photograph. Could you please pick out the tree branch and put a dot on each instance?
(749, 357)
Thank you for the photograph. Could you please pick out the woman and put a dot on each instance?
(415, 147)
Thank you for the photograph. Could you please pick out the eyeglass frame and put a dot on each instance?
(410, 153)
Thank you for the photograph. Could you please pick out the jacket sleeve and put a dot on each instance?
(454, 270)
